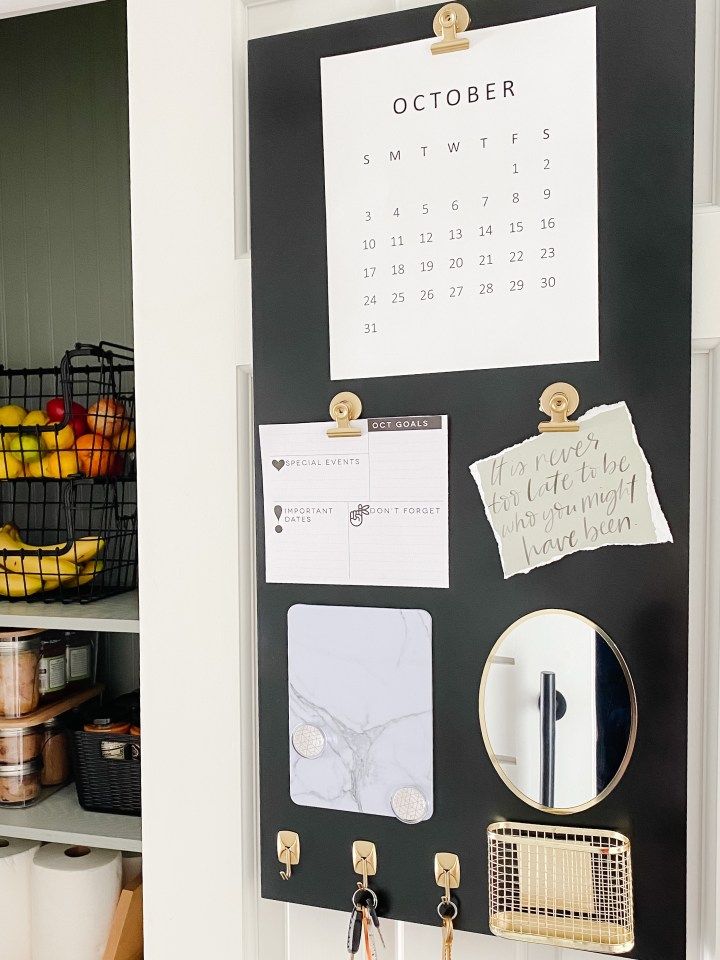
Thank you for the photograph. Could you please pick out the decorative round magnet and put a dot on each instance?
(308, 741)
(409, 805)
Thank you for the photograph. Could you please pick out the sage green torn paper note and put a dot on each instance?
(558, 493)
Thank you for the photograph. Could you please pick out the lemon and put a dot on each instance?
(10, 468)
(60, 464)
(62, 440)
(11, 415)
(36, 418)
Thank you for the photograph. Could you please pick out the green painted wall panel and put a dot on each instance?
(65, 270)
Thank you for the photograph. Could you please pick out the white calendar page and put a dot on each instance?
(461, 201)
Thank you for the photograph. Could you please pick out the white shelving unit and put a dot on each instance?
(59, 818)
(113, 615)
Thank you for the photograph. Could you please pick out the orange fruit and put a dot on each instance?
(95, 454)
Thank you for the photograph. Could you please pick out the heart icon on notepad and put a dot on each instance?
(278, 464)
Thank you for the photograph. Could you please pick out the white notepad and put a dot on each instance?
(367, 510)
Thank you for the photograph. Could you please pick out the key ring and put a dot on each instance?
(362, 893)
(447, 910)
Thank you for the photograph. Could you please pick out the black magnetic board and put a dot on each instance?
(638, 595)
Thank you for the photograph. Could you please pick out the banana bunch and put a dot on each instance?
(48, 567)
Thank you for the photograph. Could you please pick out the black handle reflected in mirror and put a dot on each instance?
(553, 707)
(582, 676)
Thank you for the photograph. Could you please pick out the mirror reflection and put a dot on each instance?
(558, 711)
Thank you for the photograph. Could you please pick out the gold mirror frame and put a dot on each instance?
(559, 811)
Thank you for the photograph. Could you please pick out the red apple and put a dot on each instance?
(117, 465)
(78, 419)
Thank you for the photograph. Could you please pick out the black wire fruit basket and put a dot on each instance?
(69, 541)
(68, 517)
(75, 419)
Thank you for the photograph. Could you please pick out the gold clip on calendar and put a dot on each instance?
(449, 21)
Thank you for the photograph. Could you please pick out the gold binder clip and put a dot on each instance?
(364, 857)
(344, 408)
(288, 851)
(559, 401)
(449, 21)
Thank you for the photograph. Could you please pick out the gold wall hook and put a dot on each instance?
(450, 20)
(447, 871)
(364, 856)
(344, 408)
(559, 401)
(288, 851)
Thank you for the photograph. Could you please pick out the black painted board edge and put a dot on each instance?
(637, 595)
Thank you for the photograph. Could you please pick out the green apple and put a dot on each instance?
(26, 448)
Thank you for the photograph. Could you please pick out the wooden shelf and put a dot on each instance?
(114, 615)
(54, 709)
(59, 818)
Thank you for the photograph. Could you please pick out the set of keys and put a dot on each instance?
(447, 911)
(364, 924)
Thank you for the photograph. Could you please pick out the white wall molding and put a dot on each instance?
(180, 60)
(18, 8)
(706, 275)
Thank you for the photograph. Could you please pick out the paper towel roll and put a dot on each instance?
(131, 867)
(16, 858)
(73, 892)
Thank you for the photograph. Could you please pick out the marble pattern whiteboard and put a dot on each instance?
(360, 710)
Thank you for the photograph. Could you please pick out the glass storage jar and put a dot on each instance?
(55, 753)
(20, 744)
(19, 672)
(80, 660)
(20, 783)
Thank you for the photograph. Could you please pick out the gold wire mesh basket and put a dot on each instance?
(568, 887)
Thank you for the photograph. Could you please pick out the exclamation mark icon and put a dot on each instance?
(278, 514)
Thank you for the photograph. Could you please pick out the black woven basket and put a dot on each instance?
(107, 772)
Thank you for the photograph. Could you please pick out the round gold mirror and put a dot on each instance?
(558, 711)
